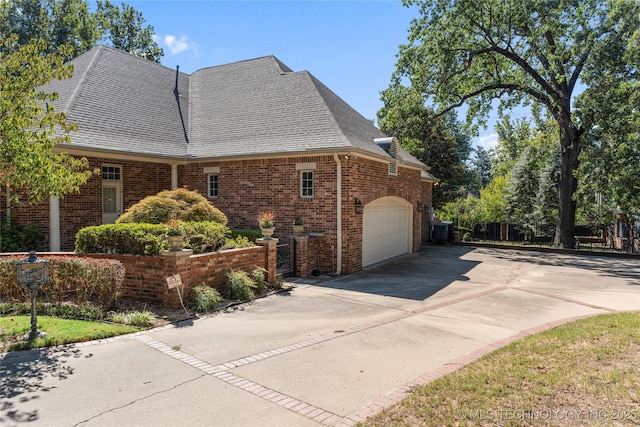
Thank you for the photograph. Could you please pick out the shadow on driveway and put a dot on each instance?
(611, 264)
(414, 276)
(23, 375)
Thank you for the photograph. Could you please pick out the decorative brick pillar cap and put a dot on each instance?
(184, 252)
(266, 242)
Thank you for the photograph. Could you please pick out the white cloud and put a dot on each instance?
(487, 141)
(176, 45)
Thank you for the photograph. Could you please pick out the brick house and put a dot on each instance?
(251, 136)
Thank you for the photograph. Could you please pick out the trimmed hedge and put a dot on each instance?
(80, 280)
(148, 239)
(131, 239)
(249, 233)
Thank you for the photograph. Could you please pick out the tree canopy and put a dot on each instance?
(522, 52)
(439, 142)
(72, 23)
(30, 128)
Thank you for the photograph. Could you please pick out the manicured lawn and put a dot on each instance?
(59, 331)
(583, 373)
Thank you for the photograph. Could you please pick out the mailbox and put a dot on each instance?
(32, 273)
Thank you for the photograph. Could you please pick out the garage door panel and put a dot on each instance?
(386, 229)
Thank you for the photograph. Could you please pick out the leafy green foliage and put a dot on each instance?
(123, 28)
(30, 128)
(15, 237)
(259, 276)
(142, 319)
(534, 53)
(181, 203)
(239, 286)
(148, 239)
(133, 239)
(237, 243)
(81, 279)
(71, 311)
(71, 23)
(439, 142)
(250, 234)
(205, 299)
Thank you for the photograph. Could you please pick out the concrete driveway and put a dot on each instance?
(328, 352)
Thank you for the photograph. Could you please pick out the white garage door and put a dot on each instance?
(386, 229)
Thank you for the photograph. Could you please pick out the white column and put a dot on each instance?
(174, 176)
(54, 224)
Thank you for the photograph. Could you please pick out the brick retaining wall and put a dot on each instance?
(145, 278)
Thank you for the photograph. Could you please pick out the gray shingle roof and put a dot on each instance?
(126, 104)
(123, 103)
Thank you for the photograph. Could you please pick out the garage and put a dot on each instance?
(386, 229)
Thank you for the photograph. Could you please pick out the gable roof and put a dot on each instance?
(126, 104)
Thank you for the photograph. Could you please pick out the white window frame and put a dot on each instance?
(303, 181)
(211, 171)
(303, 169)
(116, 185)
(214, 176)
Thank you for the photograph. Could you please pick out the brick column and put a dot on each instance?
(302, 256)
(271, 257)
(176, 262)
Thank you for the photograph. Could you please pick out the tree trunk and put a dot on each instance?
(570, 142)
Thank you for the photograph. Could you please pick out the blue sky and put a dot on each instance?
(350, 46)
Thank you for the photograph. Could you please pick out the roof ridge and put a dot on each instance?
(283, 67)
(317, 84)
(83, 80)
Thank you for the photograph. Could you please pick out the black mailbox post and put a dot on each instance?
(32, 273)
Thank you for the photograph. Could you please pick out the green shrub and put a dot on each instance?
(79, 280)
(250, 234)
(148, 239)
(204, 236)
(143, 318)
(182, 204)
(237, 243)
(239, 285)
(16, 237)
(259, 275)
(69, 311)
(205, 299)
(132, 239)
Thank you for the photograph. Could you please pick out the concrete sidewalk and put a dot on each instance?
(327, 353)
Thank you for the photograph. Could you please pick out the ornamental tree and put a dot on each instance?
(30, 128)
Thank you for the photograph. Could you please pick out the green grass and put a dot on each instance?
(59, 331)
(583, 373)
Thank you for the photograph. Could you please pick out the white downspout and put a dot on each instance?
(338, 214)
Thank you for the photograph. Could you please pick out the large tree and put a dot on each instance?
(30, 128)
(527, 52)
(71, 23)
(440, 142)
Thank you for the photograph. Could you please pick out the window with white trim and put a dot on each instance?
(306, 184)
(212, 185)
(111, 172)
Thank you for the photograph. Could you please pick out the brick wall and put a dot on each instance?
(368, 180)
(249, 186)
(145, 278)
(77, 210)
